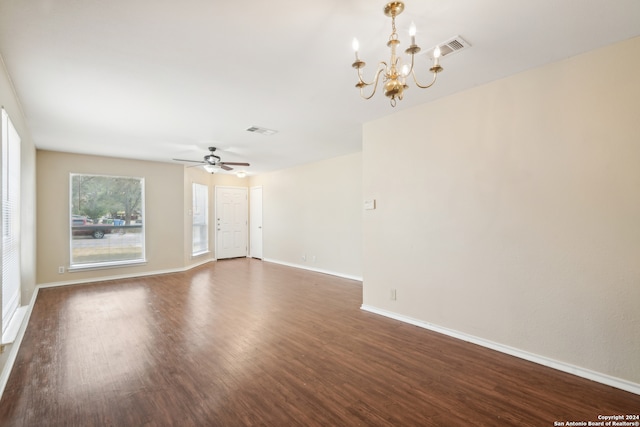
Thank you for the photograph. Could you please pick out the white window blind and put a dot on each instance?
(200, 215)
(10, 220)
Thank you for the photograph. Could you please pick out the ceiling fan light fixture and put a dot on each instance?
(209, 168)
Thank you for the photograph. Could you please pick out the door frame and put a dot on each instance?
(255, 217)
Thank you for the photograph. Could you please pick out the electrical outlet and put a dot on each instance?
(304, 257)
(392, 295)
(313, 259)
(61, 270)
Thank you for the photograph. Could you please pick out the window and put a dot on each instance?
(106, 221)
(10, 221)
(200, 215)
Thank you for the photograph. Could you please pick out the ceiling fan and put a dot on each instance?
(213, 160)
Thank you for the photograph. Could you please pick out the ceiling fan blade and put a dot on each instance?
(192, 161)
(225, 167)
(235, 163)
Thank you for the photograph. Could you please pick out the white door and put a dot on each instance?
(231, 222)
(255, 222)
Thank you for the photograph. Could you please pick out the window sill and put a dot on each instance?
(11, 333)
(103, 265)
(199, 254)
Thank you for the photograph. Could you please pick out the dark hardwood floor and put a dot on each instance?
(247, 343)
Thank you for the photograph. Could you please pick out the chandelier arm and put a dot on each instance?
(382, 66)
(435, 76)
(411, 67)
(374, 83)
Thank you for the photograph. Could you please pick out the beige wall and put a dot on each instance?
(315, 210)
(27, 195)
(164, 213)
(167, 213)
(515, 216)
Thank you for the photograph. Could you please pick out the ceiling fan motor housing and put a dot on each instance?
(212, 159)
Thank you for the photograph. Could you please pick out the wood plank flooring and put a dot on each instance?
(248, 343)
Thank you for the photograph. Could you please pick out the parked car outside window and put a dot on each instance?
(83, 226)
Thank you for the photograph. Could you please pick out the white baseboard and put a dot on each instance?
(531, 357)
(123, 276)
(316, 270)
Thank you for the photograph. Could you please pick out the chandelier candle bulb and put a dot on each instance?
(355, 46)
(412, 33)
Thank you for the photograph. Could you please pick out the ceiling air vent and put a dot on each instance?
(262, 131)
(454, 45)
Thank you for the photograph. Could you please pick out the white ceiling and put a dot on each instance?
(160, 79)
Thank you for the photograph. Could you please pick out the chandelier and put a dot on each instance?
(395, 73)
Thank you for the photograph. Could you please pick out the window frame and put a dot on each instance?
(205, 216)
(10, 225)
(107, 264)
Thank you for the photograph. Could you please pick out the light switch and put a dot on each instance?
(370, 204)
